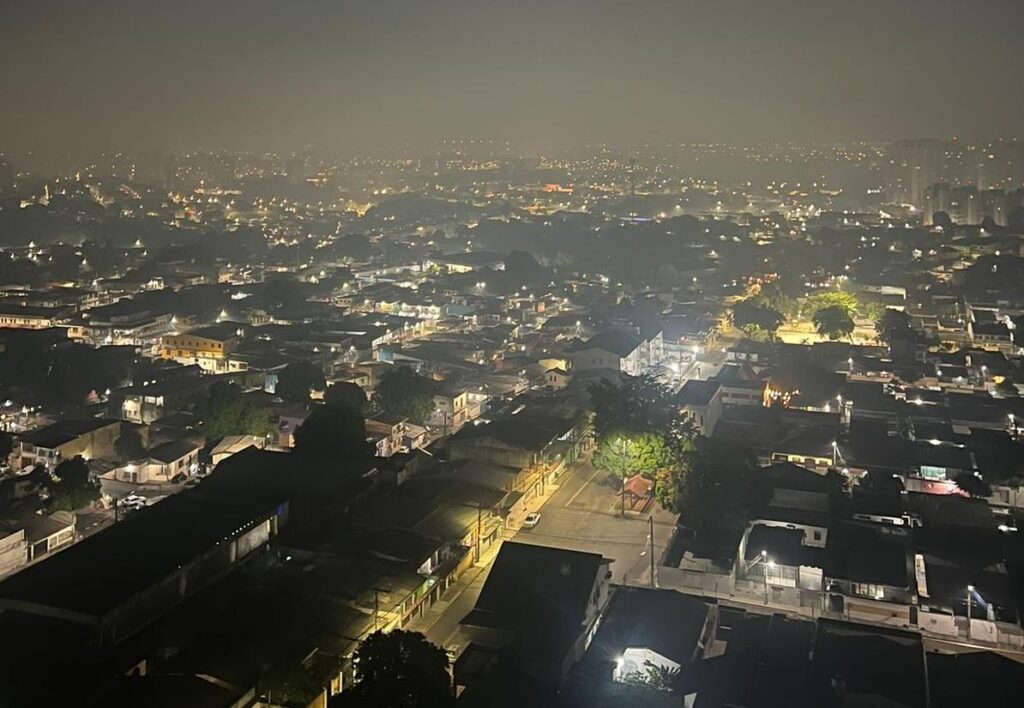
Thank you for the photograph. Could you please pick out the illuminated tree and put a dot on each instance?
(626, 454)
(833, 322)
(833, 298)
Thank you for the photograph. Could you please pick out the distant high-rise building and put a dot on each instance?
(915, 166)
(938, 198)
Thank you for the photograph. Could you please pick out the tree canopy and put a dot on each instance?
(833, 322)
(833, 298)
(333, 431)
(348, 393)
(298, 379)
(719, 485)
(972, 485)
(893, 325)
(128, 445)
(71, 487)
(753, 317)
(634, 404)
(625, 454)
(225, 411)
(400, 669)
(6, 446)
(405, 393)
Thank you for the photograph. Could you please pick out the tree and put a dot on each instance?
(284, 292)
(522, 266)
(720, 486)
(833, 322)
(71, 487)
(972, 485)
(333, 431)
(6, 446)
(400, 669)
(654, 675)
(878, 480)
(750, 316)
(773, 296)
(625, 454)
(348, 393)
(129, 445)
(680, 443)
(296, 380)
(635, 404)
(892, 325)
(226, 411)
(942, 219)
(405, 393)
(833, 298)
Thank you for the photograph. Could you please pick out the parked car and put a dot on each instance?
(531, 520)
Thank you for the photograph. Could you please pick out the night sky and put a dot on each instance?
(383, 75)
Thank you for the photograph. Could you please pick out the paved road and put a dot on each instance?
(584, 514)
(445, 628)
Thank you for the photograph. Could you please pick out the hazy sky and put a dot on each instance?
(367, 75)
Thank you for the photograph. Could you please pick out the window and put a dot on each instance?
(868, 590)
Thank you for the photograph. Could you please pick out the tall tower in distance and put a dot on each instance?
(916, 166)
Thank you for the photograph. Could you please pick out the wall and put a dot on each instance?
(13, 552)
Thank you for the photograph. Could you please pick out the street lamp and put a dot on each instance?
(970, 591)
(766, 563)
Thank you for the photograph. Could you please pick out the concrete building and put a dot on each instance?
(209, 347)
(542, 604)
(66, 439)
(116, 582)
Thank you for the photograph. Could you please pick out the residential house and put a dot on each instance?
(209, 347)
(541, 604)
(615, 350)
(701, 403)
(387, 432)
(162, 464)
(27, 535)
(66, 439)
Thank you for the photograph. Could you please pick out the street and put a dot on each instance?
(582, 514)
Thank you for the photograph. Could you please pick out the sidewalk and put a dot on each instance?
(439, 620)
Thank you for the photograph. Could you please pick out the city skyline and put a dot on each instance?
(359, 77)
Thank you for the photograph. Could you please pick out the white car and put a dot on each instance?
(531, 520)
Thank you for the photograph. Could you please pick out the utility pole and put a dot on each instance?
(479, 528)
(764, 565)
(376, 607)
(652, 551)
(622, 490)
(970, 589)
